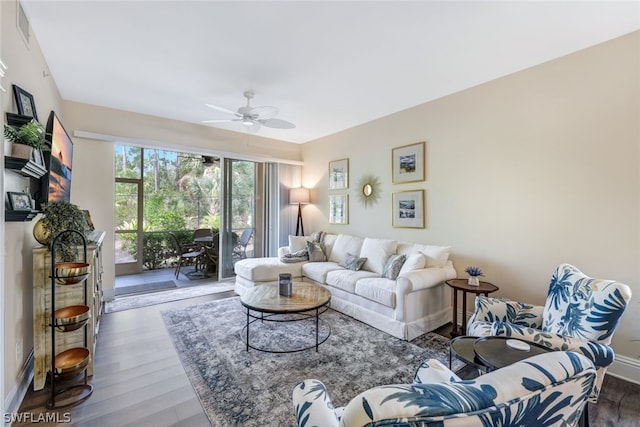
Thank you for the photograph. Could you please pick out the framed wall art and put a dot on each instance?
(408, 163)
(25, 103)
(339, 209)
(19, 201)
(408, 209)
(339, 174)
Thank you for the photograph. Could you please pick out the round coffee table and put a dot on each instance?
(265, 304)
(490, 353)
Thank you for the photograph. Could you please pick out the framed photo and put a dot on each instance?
(408, 209)
(24, 101)
(339, 174)
(339, 209)
(19, 201)
(408, 163)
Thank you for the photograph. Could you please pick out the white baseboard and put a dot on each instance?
(15, 396)
(625, 368)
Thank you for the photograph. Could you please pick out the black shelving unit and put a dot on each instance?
(85, 389)
(24, 167)
(15, 216)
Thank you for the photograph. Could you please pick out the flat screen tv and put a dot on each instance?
(56, 184)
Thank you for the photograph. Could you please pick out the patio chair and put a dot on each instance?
(240, 250)
(186, 254)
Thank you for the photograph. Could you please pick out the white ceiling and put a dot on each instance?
(327, 66)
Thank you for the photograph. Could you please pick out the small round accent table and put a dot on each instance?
(461, 285)
(307, 301)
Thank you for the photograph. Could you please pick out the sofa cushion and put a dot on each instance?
(297, 243)
(266, 269)
(316, 252)
(343, 245)
(437, 256)
(393, 266)
(346, 279)
(328, 241)
(377, 252)
(317, 271)
(415, 261)
(377, 289)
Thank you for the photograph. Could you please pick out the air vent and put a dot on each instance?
(23, 24)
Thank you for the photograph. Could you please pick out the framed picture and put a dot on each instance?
(19, 201)
(408, 163)
(408, 209)
(339, 209)
(339, 174)
(24, 101)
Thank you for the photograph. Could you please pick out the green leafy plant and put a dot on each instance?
(31, 134)
(58, 217)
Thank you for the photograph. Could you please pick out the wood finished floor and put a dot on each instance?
(139, 380)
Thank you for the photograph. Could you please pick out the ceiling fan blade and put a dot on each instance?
(264, 112)
(224, 110)
(221, 121)
(277, 123)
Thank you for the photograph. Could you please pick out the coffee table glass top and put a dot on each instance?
(267, 298)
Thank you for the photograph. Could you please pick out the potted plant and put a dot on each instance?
(26, 138)
(58, 217)
(474, 273)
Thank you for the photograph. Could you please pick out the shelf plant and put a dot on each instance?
(30, 134)
(58, 217)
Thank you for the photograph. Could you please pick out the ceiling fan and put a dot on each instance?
(252, 116)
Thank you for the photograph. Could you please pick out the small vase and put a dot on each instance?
(40, 233)
(473, 281)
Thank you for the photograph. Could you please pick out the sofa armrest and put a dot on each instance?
(313, 406)
(434, 371)
(416, 280)
(283, 251)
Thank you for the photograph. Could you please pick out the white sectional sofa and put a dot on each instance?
(416, 302)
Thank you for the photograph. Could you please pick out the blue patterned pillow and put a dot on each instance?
(392, 266)
(353, 262)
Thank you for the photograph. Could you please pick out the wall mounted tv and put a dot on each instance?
(56, 184)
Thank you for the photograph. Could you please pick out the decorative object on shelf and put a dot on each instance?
(339, 174)
(27, 138)
(408, 209)
(19, 201)
(60, 216)
(299, 196)
(339, 209)
(24, 101)
(284, 284)
(369, 193)
(474, 274)
(408, 163)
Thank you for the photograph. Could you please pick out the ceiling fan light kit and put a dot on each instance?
(252, 116)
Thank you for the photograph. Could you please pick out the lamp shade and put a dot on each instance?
(299, 196)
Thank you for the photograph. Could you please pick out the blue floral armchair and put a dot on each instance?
(550, 389)
(580, 314)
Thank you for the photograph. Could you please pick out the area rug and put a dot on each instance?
(144, 300)
(145, 287)
(240, 388)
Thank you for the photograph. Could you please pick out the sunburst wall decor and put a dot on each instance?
(368, 190)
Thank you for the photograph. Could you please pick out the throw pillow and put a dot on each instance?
(393, 265)
(437, 256)
(377, 252)
(316, 252)
(297, 243)
(353, 262)
(415, 261)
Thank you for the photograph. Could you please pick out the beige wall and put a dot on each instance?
(25, 69)
(523, 173)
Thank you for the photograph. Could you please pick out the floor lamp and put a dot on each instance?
(299, 196)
